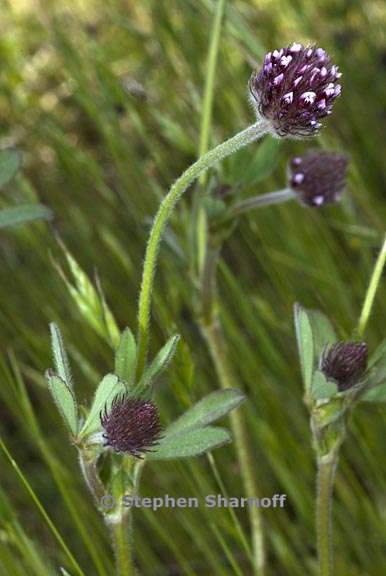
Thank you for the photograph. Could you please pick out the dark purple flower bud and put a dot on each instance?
(344, 362)
(131, 425)
(319, 177)
(295, 89)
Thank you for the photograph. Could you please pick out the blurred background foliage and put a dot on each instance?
(104, 99)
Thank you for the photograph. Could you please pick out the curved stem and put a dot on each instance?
(262, 200)
(371, 290)
(326, 474)
(214, 335)
(221, 151)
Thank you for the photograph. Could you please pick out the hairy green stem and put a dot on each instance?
(121, 521)
(213, 333)
(122, 540)
(371, 290)
(215, 155)
(262, 200)
(326, 473)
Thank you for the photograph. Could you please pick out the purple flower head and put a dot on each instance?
(318, 177)
(344, 362)
(131, 425)
(295, 89)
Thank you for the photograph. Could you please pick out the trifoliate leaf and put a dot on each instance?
(210, 408)
(125, 357)
(65, 401)
(189, 443)
(108, 388)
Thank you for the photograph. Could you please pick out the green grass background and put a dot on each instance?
(105, 100)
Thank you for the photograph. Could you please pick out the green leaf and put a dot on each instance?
(10, 162)
(125, 357)
(377, 394)
(108, 388)
(210, 408)
(61, 361)
(111, 328)
(24, 213)
(65, 401)
(90, 304)
(262, 164)
(189, 443)
(182, 377)
(305, 344)
(378, 355)
(321, 387)
(376, 375)
(158, 365)
(323, 332)
(214, 207)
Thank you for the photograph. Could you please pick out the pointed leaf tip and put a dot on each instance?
(65, 400)
(62, 364)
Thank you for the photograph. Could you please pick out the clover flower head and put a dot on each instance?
(131, 425)
(318, 177)
(295, 89)
(344, 362)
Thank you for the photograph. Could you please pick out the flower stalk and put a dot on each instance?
(205, 162)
